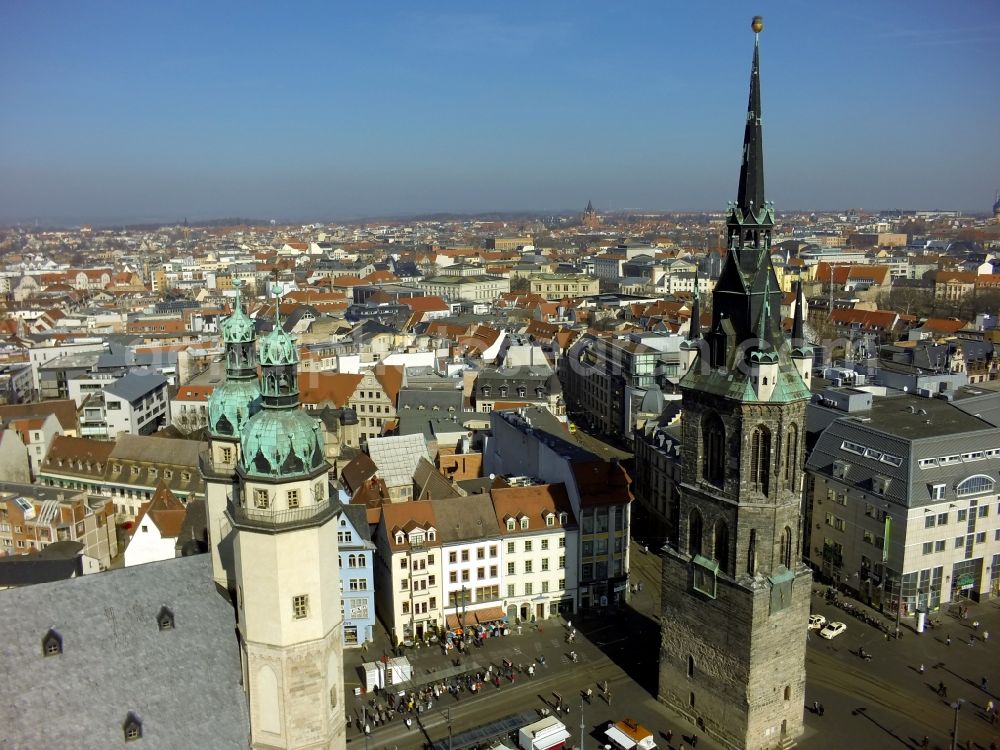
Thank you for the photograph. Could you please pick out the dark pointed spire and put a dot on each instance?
(590, 207)
(694, 329)
(798, 325)
(751, 190)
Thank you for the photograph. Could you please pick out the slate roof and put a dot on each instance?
(183, 683)
(136, 385)
(891, 431)
(431, 484)
(465, 518)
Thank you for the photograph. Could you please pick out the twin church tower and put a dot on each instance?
(735, 592)
(274, 541)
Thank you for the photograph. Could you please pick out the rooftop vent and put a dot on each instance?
(132, 727)
(165, 618)
(52, 643)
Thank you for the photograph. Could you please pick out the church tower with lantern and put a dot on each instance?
(229, 408)
(735, 594)
(288, 601)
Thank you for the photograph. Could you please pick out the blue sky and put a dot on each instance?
(133, 110)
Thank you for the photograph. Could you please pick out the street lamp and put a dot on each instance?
(956, 706)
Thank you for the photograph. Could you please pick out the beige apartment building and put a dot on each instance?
(556, 286)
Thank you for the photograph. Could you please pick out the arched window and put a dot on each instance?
(690, 666)
(752, 553)
(792, 456)
(786, 548)
(713, 449)
(694, 532)
(975, 485)
(760, 459)
(722, 545)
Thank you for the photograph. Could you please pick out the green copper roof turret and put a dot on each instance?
(281, 441)
(238, 398)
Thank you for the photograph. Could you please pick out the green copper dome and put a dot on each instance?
(282, 443)
(231, 405)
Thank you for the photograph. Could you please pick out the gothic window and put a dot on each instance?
(786, 548)
(752, 553)
(722, 544)
(713, 449)
(694, 532)
(791, 456)
(760, 459)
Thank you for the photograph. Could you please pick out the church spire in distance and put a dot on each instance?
(750, 197)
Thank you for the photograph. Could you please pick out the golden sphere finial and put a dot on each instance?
(757, 24)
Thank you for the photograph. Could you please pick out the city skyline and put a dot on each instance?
(137, 114)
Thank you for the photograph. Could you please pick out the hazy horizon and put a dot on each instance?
(127, 113)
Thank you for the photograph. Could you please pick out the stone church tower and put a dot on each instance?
(735, 592)
(288, 602)
(229, 408)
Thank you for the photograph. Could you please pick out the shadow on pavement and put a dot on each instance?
(630, 638)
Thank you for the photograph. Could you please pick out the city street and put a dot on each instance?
(882, 703)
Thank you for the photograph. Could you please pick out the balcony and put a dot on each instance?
(271, 521)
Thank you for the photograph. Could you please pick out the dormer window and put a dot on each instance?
(400, 538)
(562, 519)
(510, 525)
(186, 476)
(486, 391)
(521, 391)
(52, 644)
(135, 471)
(431, 536)
(840, 469)
(117, 469)
(132, 727)
(880, 484)
(153, 473)
(165, 619)
(524, 522)
(550, 519)
(503, 391)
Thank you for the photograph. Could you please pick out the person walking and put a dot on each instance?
(822, 710)
(986, 635)
(983, 685)
(942, 690)
(921, 670)
(947, 640)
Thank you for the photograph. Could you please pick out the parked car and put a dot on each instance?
(832, 630)
(816, 622)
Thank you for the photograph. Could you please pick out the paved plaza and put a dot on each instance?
(882, 703)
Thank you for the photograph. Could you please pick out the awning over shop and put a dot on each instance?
(490, 614)
(455, 622)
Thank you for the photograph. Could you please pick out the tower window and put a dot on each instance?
(713, 449)
(722, 544)
(786, 547)
(760, 459)
(293, 498)
(261, 499)
(690, 666)
(300, 606)
(694, 532)
(227, 455)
